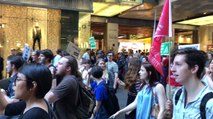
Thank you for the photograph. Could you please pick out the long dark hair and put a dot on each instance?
(132, 73)
(152, 74)
(72, 62)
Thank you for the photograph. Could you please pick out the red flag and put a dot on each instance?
(163, 29)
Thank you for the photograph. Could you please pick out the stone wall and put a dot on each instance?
(19, 23)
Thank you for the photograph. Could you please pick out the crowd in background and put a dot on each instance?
(47, 79)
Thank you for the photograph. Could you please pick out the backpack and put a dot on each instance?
(204, 100)
(111, 104)
(86, 103)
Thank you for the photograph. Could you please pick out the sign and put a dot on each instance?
(92, 43)
(73, 50)
(165, 48)
(26, 53)
(209, 47)
(195, 46)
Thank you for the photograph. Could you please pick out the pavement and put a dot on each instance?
(122, 98)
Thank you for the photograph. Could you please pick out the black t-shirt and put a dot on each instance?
(35, 113)
(15, 108)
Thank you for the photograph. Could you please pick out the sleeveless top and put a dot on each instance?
(144, 103)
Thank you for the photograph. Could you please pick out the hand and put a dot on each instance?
(120, 82)
(114, 115)
(169, 105)
(3, 92)
(115, 83)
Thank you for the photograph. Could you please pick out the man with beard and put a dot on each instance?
(65, 94)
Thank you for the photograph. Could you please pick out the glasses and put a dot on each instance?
(17, 80)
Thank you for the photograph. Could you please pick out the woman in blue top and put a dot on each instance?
(100, 91)
(145, 98)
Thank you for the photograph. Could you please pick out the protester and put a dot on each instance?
(35, 56)
(209, 74)
(112, 69)
(100, 94)
(45, 58)
(101, 63)
(7, 95)
(92, 57)
(65, 94)
(57, 57)
(32, 83)
(151, 93)
(13, 51)
(188, 65)
(86, 55)
(209, 57)
(165, 68)
(121, 62)
(132, 83)
(100, 54)
(84, 70)
(13, 64)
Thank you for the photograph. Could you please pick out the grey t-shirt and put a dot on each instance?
(112, 68)
(67, 92)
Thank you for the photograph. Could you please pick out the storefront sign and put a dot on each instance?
(124, 46)
(73, 50)
(92, 43)
(26, 53)
(195, 46)
(165, 48)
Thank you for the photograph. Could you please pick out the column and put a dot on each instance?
(112, 37)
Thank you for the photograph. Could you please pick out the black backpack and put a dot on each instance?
(111, 104)
(204, 100)
(86, 102)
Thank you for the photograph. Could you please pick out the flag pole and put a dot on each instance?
(154, 28)
(170, 37)
(169, 70)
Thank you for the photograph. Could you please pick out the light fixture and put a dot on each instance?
(199, 21)
(2, 25)
(111, 9)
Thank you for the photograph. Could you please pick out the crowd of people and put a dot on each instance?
(47, 85)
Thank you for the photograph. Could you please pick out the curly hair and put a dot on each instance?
(132, 73)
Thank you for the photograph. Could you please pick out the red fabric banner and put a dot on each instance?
(162, 31)
(154, 55)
